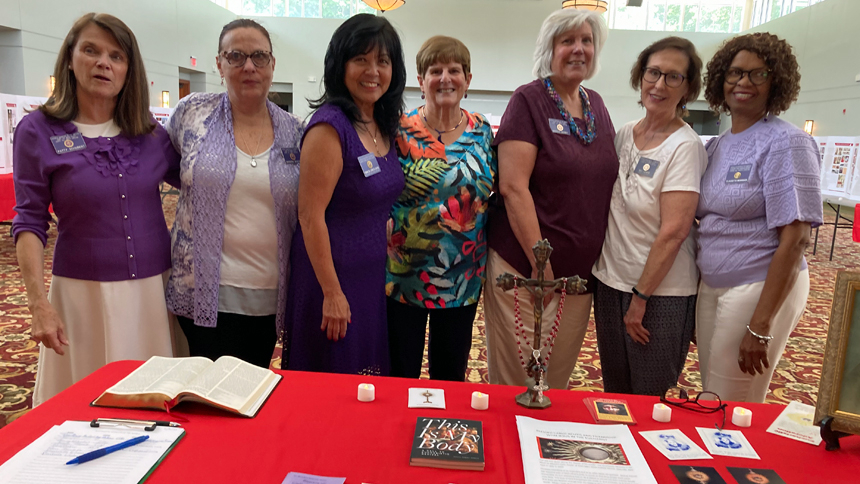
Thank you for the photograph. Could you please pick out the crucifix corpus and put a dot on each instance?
(536, 365)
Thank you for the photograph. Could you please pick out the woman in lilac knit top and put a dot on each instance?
(760, 196)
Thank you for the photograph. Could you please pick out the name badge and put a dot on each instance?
(291, 155)
(68, 143)
(739, 173)
(369, 164)
(646, 167)
(559, 126)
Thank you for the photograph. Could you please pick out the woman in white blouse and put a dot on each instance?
(645, 300)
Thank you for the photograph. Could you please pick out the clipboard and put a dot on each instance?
(54, 448)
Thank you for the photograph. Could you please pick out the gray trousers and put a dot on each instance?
(631, 367)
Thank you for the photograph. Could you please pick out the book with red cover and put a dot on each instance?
(609, 410)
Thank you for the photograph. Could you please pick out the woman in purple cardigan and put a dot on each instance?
(94, 152)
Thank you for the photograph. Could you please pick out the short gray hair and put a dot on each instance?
(560, 22)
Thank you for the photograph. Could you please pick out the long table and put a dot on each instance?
(7, 197)
(313, 423)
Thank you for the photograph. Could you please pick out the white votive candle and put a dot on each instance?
(366, 392)
(480, 401)
(741, 417)
(661, 413)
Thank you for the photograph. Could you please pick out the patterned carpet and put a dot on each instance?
(796, 377)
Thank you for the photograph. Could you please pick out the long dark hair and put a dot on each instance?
(132, 104)
(359, 35)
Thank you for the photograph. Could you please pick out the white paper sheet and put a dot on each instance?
(426, 398)
(44, 460)
(674, 444)
(575, 453)
(730, 443)
(796, 422)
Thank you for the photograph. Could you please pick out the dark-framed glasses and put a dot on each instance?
(673, 79)
(235, 58)
(705, 402)
(756, 76)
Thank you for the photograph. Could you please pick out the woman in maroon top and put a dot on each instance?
(557, 165)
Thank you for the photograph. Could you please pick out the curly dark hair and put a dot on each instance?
(777, 56)
(693, 74)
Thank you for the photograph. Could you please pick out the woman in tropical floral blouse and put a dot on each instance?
(437, 246)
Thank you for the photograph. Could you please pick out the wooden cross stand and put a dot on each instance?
(537, 364)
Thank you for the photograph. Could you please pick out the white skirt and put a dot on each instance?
(105, 322)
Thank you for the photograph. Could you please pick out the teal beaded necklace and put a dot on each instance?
(590, 133)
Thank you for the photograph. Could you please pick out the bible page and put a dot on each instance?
(231, 383)
(168, 376)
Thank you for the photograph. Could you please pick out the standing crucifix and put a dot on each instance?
(536, 366)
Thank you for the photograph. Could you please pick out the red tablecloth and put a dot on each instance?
(313, 423)
(7, 198)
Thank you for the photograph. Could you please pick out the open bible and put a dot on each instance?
(228, 383)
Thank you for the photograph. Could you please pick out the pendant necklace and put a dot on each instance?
(440, 133)
(247, 145)
(375, 144)
(638, 151)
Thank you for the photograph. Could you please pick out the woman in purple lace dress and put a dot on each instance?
(349, 179)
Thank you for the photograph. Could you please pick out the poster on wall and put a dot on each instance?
(8, 122)
(162, 115)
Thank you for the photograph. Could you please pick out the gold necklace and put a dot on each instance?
(373, 137)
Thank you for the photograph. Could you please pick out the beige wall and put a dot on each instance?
(826, 40)
(500, 34)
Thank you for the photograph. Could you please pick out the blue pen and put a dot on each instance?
(107, 450)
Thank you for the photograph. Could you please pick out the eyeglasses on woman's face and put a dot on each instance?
(651, 75)
(237, 58)
(756, 76)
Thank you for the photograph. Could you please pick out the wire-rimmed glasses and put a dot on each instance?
(652, 75)
(705, 402)
(236, 58)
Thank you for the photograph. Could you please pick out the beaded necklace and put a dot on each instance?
(520, 332)
(590, 134)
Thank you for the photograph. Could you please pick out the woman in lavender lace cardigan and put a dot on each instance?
(760, 196)
(237, 208)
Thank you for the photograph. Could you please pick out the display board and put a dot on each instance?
(840, 175)
(13, 108)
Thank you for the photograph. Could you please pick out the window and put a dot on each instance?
(296, 8)
(767, 10)
(679, 15)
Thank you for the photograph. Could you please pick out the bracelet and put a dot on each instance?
(761, 339)
(640, 295)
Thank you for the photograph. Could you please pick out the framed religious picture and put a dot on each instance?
(838, 405)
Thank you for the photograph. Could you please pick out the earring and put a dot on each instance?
(222, 80)
(466, 95)
(422, 95)
(684, 106)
